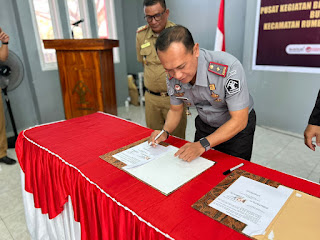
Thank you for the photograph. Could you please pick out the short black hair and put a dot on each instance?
(147, 3)
(172, 34)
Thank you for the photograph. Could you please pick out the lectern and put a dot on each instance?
(86, 75)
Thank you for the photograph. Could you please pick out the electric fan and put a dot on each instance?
(11, 75)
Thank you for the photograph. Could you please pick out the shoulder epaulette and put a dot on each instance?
(218, 68)
(142, 28)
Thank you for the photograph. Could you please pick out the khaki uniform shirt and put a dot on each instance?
(220, 87)
(154, 73)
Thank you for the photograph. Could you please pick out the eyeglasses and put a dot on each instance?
(156, 17)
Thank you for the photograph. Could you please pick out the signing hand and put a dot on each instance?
(190, 151)
(162, 138)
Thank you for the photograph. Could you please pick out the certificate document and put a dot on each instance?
(159, 168)
(251, 202)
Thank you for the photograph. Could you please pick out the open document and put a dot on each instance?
(159, 168)
(253, 203)
(140, 154)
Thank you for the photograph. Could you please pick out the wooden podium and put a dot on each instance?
(86, 75)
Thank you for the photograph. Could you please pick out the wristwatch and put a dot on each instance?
(205, 143)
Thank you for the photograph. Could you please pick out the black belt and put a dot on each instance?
(162, 94)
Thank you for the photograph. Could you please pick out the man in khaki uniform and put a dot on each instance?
(157, 101)
(4, 51)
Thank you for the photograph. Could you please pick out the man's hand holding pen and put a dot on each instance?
(158, 136)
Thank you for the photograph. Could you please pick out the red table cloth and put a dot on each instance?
(62, 159)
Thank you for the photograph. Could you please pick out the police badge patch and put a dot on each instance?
(233, 86)
(177, 87)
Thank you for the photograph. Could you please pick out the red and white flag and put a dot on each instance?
(220, 44)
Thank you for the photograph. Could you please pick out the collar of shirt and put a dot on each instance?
(202, 69)
(151, 34)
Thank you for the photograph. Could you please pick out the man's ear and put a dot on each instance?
(196, 49)
(167, 13)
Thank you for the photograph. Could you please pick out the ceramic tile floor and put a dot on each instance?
(274, 149)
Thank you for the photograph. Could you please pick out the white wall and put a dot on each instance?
(282, 100)
(199, 16)
(22, 99)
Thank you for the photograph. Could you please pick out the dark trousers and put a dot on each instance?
(238, 146)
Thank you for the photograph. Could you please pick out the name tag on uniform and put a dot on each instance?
(145, 45)
(183, 98)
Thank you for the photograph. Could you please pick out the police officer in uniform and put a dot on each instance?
(313, 128)
(215, 84)
(157, 101)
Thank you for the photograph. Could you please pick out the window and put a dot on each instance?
(106, 23)
(78, 10)
(102, 21)
(46, 21)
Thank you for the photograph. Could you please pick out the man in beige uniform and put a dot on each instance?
(4, 51)
(157, 101)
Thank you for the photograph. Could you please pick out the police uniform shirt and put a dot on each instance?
(154, 73)
(220, 87)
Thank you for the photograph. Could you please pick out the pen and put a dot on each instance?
(155, 139)
(232, 169)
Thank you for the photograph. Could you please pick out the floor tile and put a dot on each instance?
(12, 153)
(23, 236)
(302, 154)
(315, 174)
(292, 169)
(270, 143)
(11, 202)
(16, 224)
(294, 161)
(259, 132)
(314, 177)
(133, 113)
(258, 159)
(9, 177)
(4, 232)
